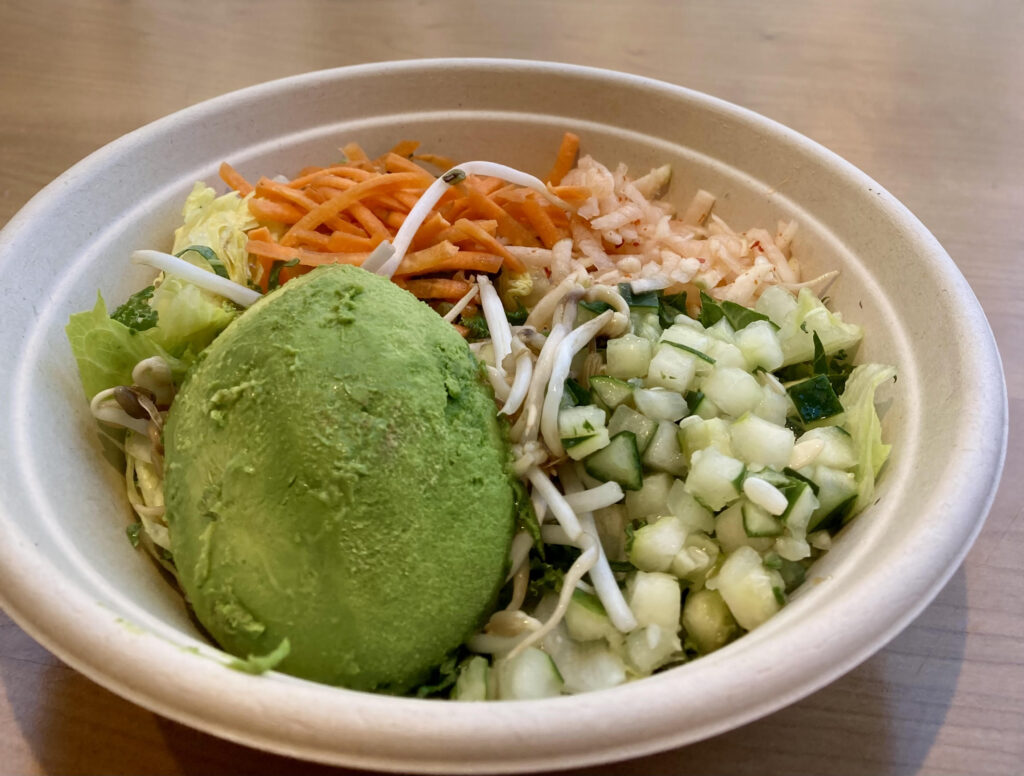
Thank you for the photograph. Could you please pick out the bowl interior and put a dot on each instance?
(71, 578)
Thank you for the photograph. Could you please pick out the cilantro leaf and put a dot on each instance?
(136, 313)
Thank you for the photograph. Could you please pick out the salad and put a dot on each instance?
(685, 423)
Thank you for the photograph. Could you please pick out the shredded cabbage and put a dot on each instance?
(221, 224)
(862, 422)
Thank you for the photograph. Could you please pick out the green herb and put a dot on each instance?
(136, 313)
(815, 399)
(597, 306)
(274, 281)
(133, 531)
(518, 316)
(649, 299)
(444, 676)
(780, 595)
(710, 311)
(526, 517)
(693, 400)
(631, 528)
(211, 258)
(577, 394)
(773, 561)
(798, 476)
(836, 367)
(622, 566)
(669, 307)
(477, 326)
(699, 354)
(740, 316)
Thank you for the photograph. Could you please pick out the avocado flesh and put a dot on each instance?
(336, 476)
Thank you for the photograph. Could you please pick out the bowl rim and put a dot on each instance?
(273, 715)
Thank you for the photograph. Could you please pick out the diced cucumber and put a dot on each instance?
(696, 434)
(618, 461)
(529, 675)
(816, 401)
(693, 515)
(663, 453)
(777, 303)
(611, 530)
(626, 419)
(802, 503)
(837, 450)
(655, 599)
(760, 346)
(733, 390)
(707, 621)
(748, 588)
(756, 441)
(652, 498)
(792, 549)
(610, 391)
(473, 683)
(656, 544)
(628, 356)
(714, 479)
(685, 334)
(660, 404)
(586, 619)
(726, 354)
(732, 534)
(590, 666)
(651, 647)
(758, 521)
(698, 558)
(671, 368)
(706, 408)
(810, 316)
(579, 448)
(837, 490)
(774, 407)
(579, 422)
(722, 330)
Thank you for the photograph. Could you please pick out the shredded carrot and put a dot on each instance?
(435, 288)
(333, 206)
(315, 240)
(395, 163)
(566, 158)
(340, 242)
(405, 148)
(234, 179)
(441, 162)
(490, 243)
(355, 152)
(267, 210)
(466, 261)
(422, 261)
(541, 222)
(571, 193)
(373, 225)
(508, 227)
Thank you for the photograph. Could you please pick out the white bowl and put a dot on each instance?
(69, 577)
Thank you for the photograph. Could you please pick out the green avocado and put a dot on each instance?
(336, 475)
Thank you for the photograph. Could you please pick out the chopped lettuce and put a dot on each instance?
(800, 321)
(106, 350)
(221, 224)
(862, 422)
(188, 318)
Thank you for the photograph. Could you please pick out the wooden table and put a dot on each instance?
(925, 96)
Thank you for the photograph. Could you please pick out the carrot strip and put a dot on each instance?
(314, 259)
(491, 244)
(310, 170)
(396, 163)
(345, 171)
(441, 162)
(333, 206)
(407, 198)
(571, 193)
(405, 148)
(461, 329)
(267, 210)
(355, 152)
(467, 261)
(430, 231)
(485, 184)
(435, 288)
(565, 159)
(541, 222)
(340, 242)
(234, 179)
(317, 240)
(422, 261)
(508, 227)
(373, 225)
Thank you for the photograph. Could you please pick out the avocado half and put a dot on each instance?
(336, 476)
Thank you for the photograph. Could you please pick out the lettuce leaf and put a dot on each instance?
(188, 318)
(865, 428)
(106, 350)
(221, 224)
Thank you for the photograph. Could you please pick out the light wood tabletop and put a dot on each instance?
(926, 96)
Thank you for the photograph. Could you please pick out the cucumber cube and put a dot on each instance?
(628, 356)
(652, 498)
(529, 675)
(663, 452)
(733, 390)
(671, 368)
(714, 479)
(655, 599)
(756, 441)
(748, 588)
(650, 647)
(707, 621)
(690, 512)
(656, 544)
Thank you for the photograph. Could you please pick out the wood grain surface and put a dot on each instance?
(926, 96)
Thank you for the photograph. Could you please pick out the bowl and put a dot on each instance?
(69, 577)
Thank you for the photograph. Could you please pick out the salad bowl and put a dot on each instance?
(69, 577)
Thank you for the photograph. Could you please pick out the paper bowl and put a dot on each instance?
(70, 578)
